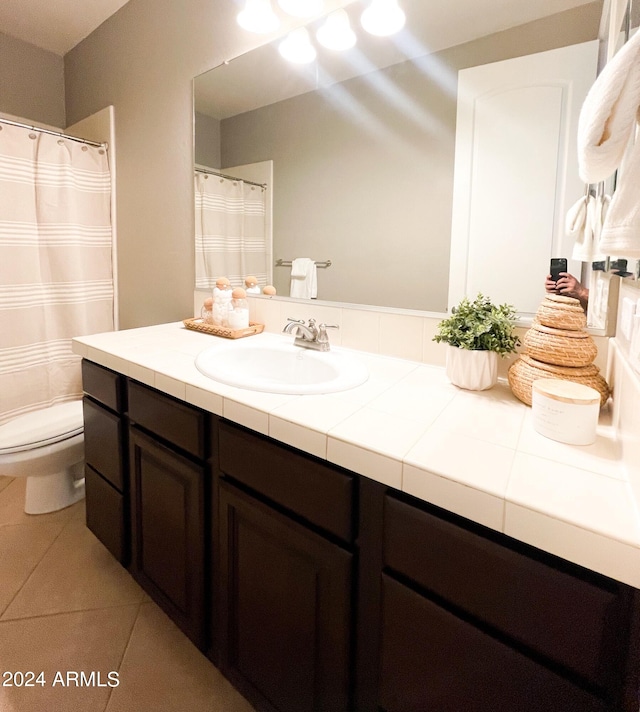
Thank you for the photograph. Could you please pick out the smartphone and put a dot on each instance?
(558, 264)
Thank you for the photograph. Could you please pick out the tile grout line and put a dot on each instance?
(70, 612)
(46, 551)
(124, 652)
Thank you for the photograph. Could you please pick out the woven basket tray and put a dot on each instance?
(196, 324)
(525, 370)
(561, 312)
(560, 347)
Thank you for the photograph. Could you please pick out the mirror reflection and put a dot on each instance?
(358, 154)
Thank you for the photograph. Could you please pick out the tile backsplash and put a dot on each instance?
(400, 333)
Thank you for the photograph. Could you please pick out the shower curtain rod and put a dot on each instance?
(224, 175)
(52, 133)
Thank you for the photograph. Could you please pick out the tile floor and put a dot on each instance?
(66, 606)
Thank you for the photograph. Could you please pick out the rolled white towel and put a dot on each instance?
(609, 114)
(608, 120)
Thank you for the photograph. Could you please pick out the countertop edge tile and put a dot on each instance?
(302, 437)
(521, 491)
(455, 496)
(198, 397)
(245, 415)
(586, 548)
(377, 467)
(170, 385)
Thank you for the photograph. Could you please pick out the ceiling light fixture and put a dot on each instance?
(383, 18)
(296, 47)
(258, 16)
(336, 33)
(302, 8)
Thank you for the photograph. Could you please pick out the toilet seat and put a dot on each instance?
(42, 427)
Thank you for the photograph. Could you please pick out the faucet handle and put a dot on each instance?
(295, 321)
(322, 333)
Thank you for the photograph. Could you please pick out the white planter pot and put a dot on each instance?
(473, 370)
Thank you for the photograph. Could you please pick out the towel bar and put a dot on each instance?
(287, 263)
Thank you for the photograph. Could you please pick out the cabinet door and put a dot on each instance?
(432, 660)
(167, 512)
(285, 609)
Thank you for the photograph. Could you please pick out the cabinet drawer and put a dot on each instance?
(104, 442)
(432, 660)
(321, 494)
(573, 621)
(106, 516)
(172, 420)
(105, 386)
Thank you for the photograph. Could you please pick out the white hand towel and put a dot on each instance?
(607, 123)
(584, 225)
(304, 280)
(598, 219)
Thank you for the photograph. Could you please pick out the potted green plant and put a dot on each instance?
(475, 333)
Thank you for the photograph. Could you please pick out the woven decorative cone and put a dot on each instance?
(561, 312)
(525, 370)
(557, 346)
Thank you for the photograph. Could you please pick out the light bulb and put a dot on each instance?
(383, 17)
(336, 32)
(302, 8)
(296, 47)
(258, 16)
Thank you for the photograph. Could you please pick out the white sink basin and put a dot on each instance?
(281, 368)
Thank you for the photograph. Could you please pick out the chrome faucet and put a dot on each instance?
(309, 336)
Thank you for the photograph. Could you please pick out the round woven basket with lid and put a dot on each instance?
(560, 347)
(525, 370)
(561, 312)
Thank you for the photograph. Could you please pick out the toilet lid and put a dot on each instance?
(41, 427)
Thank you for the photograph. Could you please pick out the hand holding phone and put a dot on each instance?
(558, 264)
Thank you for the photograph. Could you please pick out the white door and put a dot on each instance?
(516, 173)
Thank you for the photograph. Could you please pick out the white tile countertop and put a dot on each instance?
(473, 453)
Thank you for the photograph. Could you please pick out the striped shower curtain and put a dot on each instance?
(56, 278)
(230, 231)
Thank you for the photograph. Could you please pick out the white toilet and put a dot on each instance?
(47, 447)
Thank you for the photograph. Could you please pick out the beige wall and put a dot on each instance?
(207, 141)
(31, 82)
(142, 61)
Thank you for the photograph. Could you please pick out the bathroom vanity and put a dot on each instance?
(314, 586)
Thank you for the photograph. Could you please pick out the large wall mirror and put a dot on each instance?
(358, 150)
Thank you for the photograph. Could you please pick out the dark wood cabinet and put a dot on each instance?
(168, 490)
(106, 466)
(472, 619)
(285, 608)
(321, 494)
(434, 660)
(317, 590)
